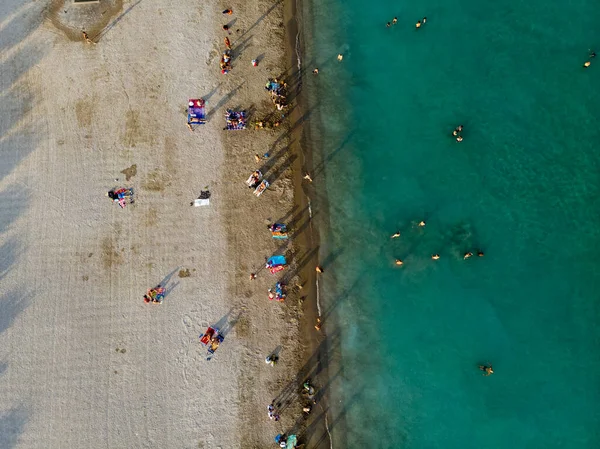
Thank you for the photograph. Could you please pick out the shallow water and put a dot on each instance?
(522, 187)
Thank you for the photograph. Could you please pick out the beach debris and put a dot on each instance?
(155, 295)
(235, 120)
(202, 200)
(122, 195)
(196, 112)
(211, 339)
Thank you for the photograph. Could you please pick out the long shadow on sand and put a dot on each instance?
(223, 100)
(12, 425)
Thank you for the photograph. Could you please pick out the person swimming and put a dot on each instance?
(586, 64)
(467, 255)
(418, 24)
(394, 21)
(421, 224)
(396, 235)
(387, 25)
(487, 370)
(435, 256)
(459, 139)
(480, 253)
(399, 262)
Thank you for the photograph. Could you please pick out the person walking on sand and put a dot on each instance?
(228, 12)
(86, 37)
(396, 235)
(307, 177)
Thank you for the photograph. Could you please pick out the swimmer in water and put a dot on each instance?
(395, 21)
(487, 370)
(435, 256)
(399, 262)
(418, 24)
(467, 255)
(592, 54)
(387, 25)
(396, 235)
(586, 64)
(459, 139)
(480, 253)
(424, 19)
(316, 71)
(421, 224)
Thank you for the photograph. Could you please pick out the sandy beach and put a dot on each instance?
(84, 362)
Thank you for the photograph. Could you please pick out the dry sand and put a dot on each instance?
(84, 363)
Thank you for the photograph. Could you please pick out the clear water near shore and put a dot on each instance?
(523, 187)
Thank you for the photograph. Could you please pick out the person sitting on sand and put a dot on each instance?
(487, 370)
(228, 12)
(467, 255)
(396, 235)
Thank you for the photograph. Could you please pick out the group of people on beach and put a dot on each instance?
(417, 25)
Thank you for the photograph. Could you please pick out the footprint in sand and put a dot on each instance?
(187, 322)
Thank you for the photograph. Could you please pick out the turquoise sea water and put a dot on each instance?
(523, 187)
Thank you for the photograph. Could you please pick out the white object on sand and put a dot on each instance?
(201, 202)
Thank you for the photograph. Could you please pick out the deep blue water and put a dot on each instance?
(522, 186)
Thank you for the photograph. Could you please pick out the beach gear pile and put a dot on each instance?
(275, 264)
(286, 442)
(155, 295)
(235, 120)
(211, 339)
(196, 113)
(123, 196)
(278, 231)
(278, 294)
